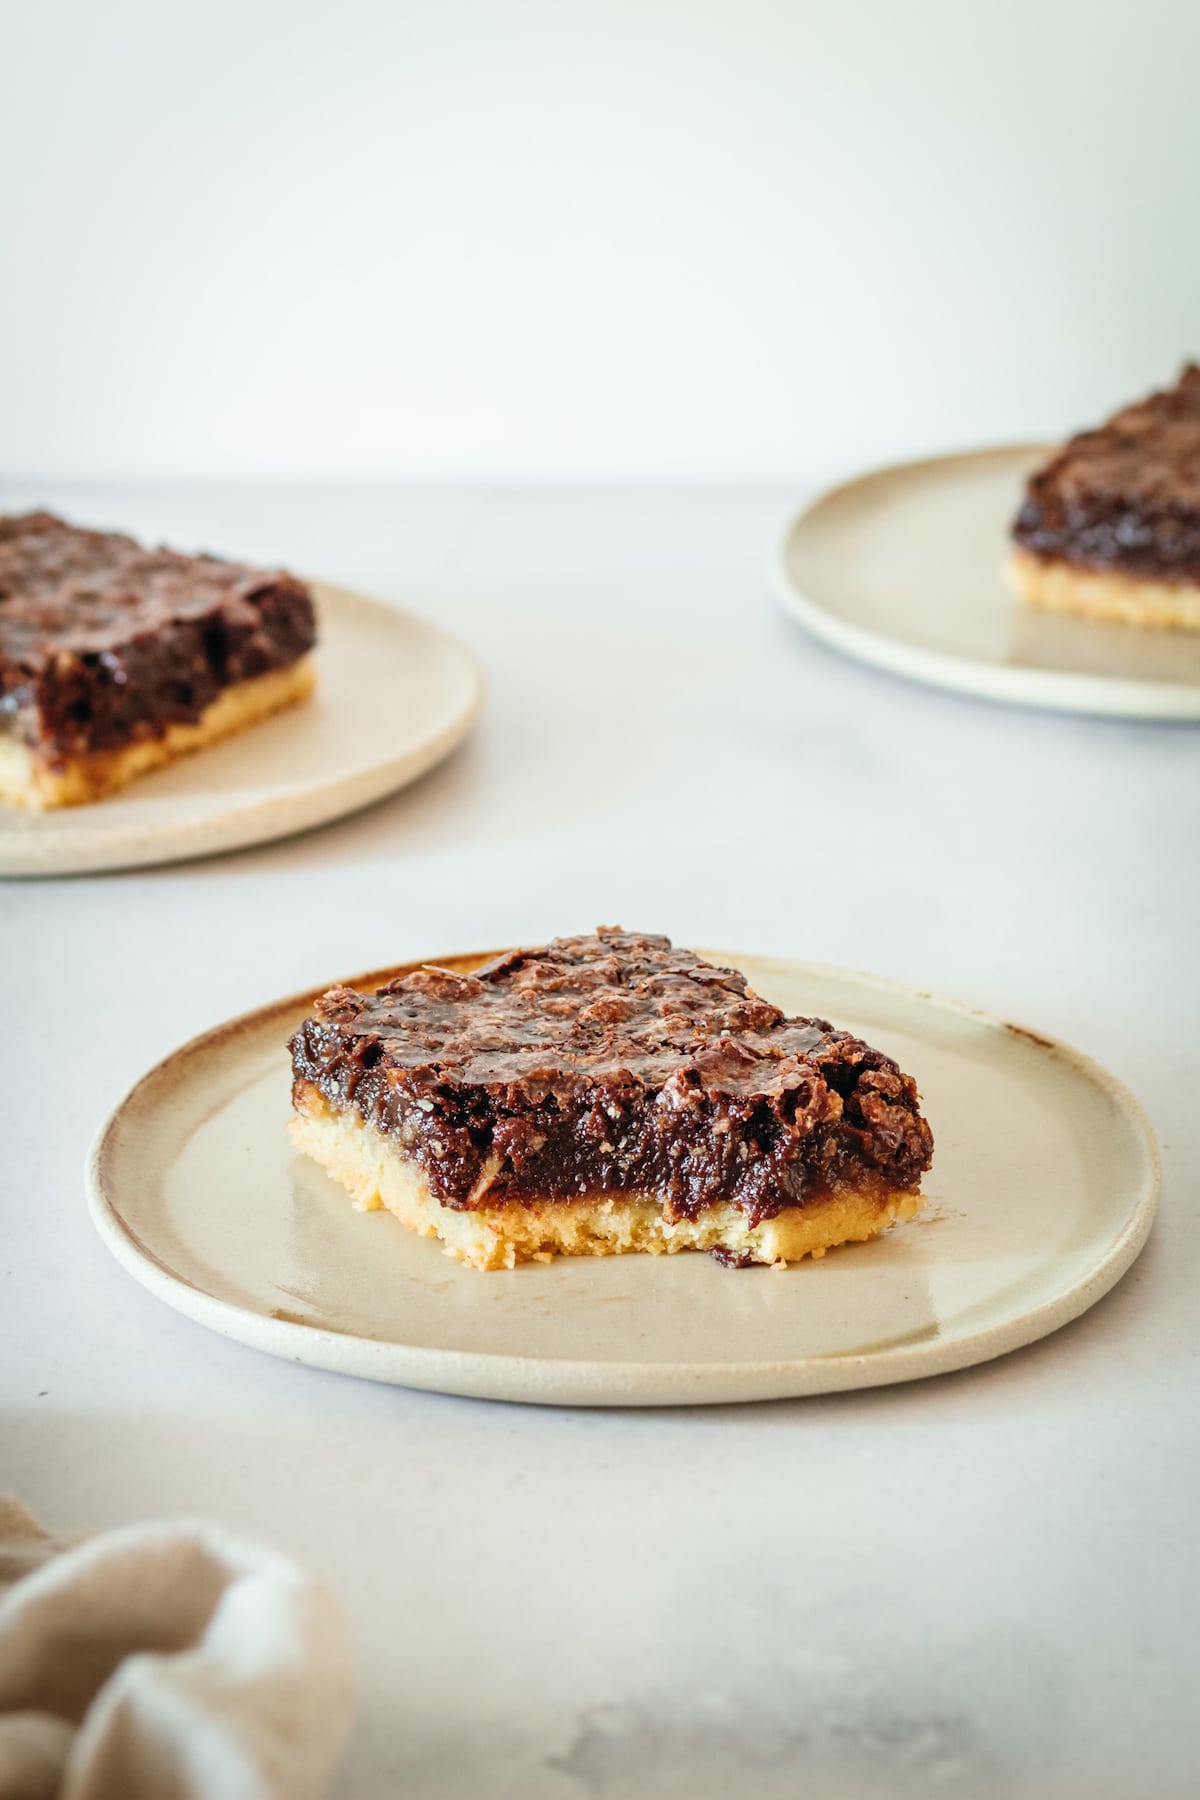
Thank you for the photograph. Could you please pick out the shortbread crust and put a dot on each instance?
(1105, 594)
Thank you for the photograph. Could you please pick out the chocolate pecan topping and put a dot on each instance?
(613, 1064)
(103, 641)
(1126, 496)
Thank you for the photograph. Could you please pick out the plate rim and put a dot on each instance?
(561, 1381)
(1053, 690)
(272, 816)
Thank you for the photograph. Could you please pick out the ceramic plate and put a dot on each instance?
(1043, 1188)
(394, 696)
(905, 568)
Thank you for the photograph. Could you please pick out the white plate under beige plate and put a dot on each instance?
(1043, 1188)
(905, 568)
(394, 696)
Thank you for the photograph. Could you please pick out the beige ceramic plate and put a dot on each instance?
(1043, 1188)
(905, 568)
(394, 696)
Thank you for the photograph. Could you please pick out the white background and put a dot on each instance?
(661, 239)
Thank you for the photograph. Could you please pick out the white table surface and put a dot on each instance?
(985, 1584)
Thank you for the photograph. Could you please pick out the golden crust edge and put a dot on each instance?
(377, 1175)
(1109, 598)
(27, 779)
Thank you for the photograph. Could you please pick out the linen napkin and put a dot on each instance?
(169, 1661)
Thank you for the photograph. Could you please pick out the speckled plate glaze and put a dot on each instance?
(394, 696)
(1043, 1189)
(905, 568)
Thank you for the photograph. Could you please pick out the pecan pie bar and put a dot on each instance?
(1110, 526)
(115, 659)
(605, 1094)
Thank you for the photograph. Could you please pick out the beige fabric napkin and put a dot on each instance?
(172, 1661)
